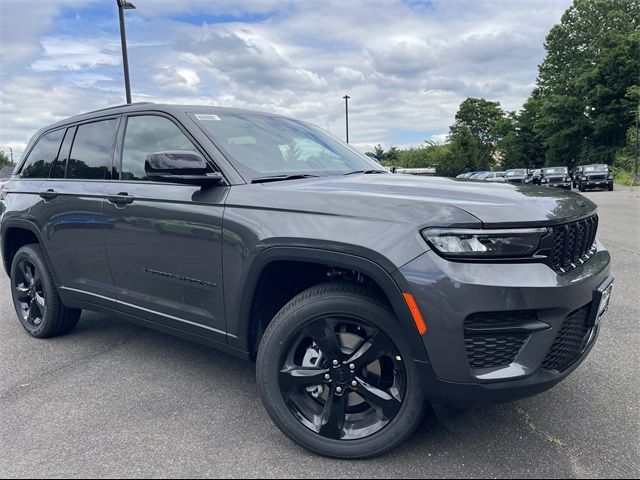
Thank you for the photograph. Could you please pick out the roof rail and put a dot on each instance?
(116, 106)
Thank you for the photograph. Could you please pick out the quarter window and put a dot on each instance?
(92, 150)
(44, 153)
(145, 135)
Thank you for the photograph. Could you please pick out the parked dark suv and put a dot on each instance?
(360, 293)
(592, 176)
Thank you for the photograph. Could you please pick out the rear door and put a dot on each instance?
(70, 210)
(165, 248)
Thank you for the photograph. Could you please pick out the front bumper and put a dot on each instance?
(597, 183)
(450, 293)
(558, 184)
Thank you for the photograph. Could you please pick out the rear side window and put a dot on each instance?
(60, 166)
(44, 153)
(92, 150)
(148, 134)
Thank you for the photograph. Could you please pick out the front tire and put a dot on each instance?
(36, 298)
(336, 376)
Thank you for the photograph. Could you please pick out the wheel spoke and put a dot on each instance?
(325, 337)
(26, 271)
(40, 303)
(36, 279)
(372, 349)
(379, 399)
(333, 416)
(22, 293)
(300, 377)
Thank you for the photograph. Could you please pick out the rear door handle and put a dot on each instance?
(121, 198)
(49, 194)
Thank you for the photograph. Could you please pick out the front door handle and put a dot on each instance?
(121, 198)
(49, 194)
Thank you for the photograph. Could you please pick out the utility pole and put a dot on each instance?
(122, 6)
(636, 179)
(346, 111)
(11, 152)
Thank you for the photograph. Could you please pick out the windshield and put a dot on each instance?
(555, 170)
(264, 145)
(596, 168)
(516, 173)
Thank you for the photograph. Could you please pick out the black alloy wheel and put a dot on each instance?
(336, 374)
(342, 378)
(29, 293)
(35, 296)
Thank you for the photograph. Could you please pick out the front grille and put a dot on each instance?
(597, 177)
(570, 342)
(573, 243)
(490, 349)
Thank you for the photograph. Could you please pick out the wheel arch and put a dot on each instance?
(246, 339)
(17, 233)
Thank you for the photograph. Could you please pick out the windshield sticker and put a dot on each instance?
(208, 117)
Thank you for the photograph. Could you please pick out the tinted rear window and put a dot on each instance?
(44, 153)
(92, 150)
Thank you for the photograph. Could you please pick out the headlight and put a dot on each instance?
(484, 243)
(583, 178)
(567, 179)
(544, 180)
(610, 176)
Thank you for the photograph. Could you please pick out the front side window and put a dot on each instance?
(145, 135)
(38, 164)
(265, 145)
(92, 150)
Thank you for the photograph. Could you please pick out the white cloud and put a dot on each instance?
(406, 66)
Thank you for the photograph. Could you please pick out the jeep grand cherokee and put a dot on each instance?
(360, 293)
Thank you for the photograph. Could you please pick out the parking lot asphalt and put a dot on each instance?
(113, 399)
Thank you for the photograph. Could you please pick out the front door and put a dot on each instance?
(164, 250)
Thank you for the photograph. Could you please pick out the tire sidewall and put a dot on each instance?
(277, 339)
(34, 255)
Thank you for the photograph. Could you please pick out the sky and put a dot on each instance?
(406, 64)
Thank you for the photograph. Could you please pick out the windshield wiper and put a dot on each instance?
(366, 172)
(278, 178)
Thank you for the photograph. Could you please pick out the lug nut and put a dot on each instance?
(339, 389)
(354, 384)
(352, 367)
(336, 363)
(327, 377)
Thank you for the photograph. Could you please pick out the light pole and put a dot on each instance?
(636, 179)
(346, 111)
(11, 152)
(122, 6)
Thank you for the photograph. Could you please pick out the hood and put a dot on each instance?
(425, 198)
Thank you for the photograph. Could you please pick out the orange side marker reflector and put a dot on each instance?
(415, 313)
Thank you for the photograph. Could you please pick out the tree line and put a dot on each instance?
(582, 110)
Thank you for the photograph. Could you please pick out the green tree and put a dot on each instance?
(378, 153)
(462, 154)
(4, 159)
(479, 118)
(593, 57)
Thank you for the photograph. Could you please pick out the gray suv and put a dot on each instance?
(359, 293)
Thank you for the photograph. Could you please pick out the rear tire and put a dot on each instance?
(346, 410)
(36, 298)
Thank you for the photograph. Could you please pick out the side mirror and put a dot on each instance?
(179, 166)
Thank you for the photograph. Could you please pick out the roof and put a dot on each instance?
(148, 106)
